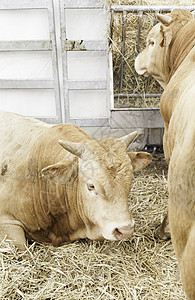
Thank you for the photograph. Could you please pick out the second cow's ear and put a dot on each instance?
(167, 36)
(139, 160)
(60, 173)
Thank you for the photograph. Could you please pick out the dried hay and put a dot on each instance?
(130, 53)
(140, 268)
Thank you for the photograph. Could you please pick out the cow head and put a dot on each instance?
(104, 172)
(156, 59)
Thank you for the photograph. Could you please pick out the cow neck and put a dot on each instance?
(74, 204)
(54, 203)
(80, 203)
(66, 222)
(181, 45)
(62, 211)
(65, 204)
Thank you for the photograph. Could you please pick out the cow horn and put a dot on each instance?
(75, 148)
(164, 19)
(128, 139)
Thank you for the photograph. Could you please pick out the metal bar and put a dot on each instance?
(137, 45)
(123, 50)
(58, 42)
(137, 95)
(155, 19)
(26, 84)
(160, 89)
(43, 45)
(110, 79)
(84, 45)
(135, 109)
(149, 8)
(64, 60)
(23, 4)
(93, 122)
(55, 68)
(138, 32)
(79, 4)
(111, 29)
(86, 85)
(147, 84)
(49, 120)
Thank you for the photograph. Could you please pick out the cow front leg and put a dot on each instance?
(13, 231)
(182, 228)
(187, 265)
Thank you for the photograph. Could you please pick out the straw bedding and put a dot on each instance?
(140, 268)
(130, 53)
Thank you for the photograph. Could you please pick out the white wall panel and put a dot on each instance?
(26, 65)
(86, 24)
(28, 102)
(88, 103)
(24, 24)
(87, 65)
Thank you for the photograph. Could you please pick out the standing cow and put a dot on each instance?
(170, 58)
(57, 184)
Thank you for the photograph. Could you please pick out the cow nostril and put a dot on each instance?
(123, 232)
(117, 234)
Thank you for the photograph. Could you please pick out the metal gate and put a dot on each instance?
(85, 62)
(122, 113)
(29, 74)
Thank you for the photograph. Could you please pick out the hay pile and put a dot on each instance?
(140, 268)
(130, 53)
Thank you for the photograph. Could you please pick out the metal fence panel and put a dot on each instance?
(83, 30)
(140, 10)
(26, 8)
(123, 114)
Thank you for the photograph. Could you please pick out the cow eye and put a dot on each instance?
(90, 186)
(151, 42)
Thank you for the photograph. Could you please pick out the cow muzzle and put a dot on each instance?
(139, 67)
(123, 232)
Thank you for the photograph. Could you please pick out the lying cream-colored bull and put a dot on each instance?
(170, 58)
(57, 192)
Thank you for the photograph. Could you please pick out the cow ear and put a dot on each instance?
(139, 160)
(167, 36)
(60, 173)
